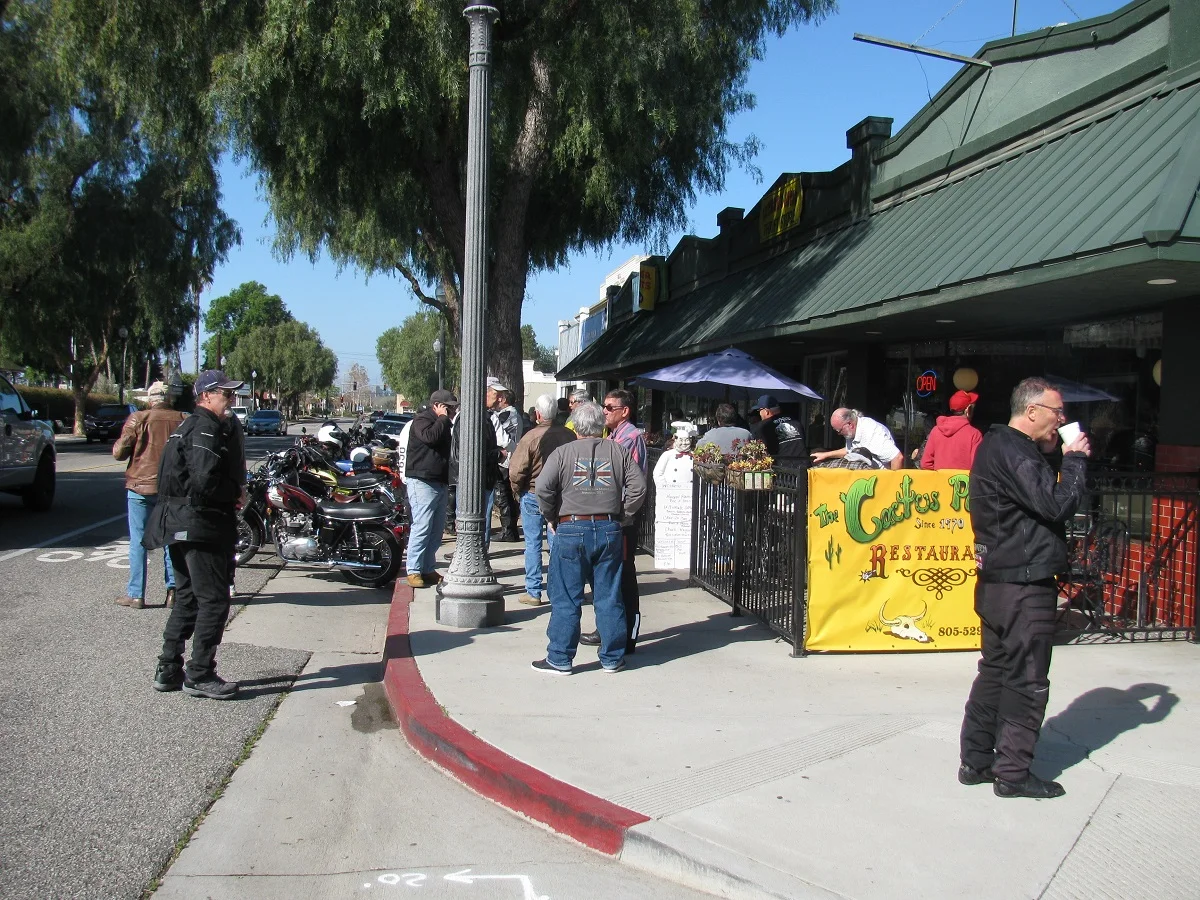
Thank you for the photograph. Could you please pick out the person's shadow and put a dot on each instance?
(1098, 717)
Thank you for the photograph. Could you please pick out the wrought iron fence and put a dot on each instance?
(646, 525)
(748, 548)
(1133, 559)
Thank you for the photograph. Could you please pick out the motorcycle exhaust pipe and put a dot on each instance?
(351, 564)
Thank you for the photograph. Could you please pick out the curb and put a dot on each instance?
(564, 808)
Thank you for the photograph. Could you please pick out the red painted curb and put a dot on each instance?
(566, 809)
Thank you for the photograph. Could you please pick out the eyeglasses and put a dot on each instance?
(1057, 410)
(608, 408)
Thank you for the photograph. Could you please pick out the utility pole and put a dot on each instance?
(197, 329)
(470, 597)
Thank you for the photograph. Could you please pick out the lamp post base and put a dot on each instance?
(470, 612)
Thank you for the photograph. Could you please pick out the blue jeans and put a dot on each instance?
(427, 508)
(534, 525)
(585, 552)
(140, 508)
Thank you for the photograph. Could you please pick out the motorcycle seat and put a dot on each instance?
(358, 482)
(351, 512)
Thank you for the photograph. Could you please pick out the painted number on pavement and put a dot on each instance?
(417, 879)
(114, 554)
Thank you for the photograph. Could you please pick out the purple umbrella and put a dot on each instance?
(717, 374)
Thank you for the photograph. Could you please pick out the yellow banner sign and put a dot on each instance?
(891, 561)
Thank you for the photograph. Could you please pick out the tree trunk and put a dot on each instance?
(79, 391)
(506, 293)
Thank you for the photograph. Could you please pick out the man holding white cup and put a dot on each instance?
(1019, 505)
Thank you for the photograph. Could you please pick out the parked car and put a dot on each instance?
(391, 424)
(28, 456)
(241, 412)
(266, 421)
(105, 424)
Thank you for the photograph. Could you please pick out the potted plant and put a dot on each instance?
(709, 464)
(750, 467)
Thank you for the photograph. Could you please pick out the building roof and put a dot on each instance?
(1072, 220)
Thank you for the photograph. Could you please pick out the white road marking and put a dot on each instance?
(13, 554)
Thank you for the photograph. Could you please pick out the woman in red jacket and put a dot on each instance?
(953, 441)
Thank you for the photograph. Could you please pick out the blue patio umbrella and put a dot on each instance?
(1076, 392)
(720, 374)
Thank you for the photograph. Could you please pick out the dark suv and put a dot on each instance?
(266, 421)
(105, 424)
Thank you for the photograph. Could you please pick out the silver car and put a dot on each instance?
(28, 456)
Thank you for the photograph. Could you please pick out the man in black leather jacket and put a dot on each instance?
(1019, 505)
(201, 479)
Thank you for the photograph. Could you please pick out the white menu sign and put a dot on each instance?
(673, 512)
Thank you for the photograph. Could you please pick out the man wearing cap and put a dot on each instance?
(506, 422)
(953, 441)
(869, 443)
(141, 442)
(586, 489)
(427, 473)
(782, 435)
(201, 481)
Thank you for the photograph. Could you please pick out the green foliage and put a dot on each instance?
(101, 228)
(544, 358)
(407, 360)
(289, 354)
(607, 119)
(59, 404)
(244, 308)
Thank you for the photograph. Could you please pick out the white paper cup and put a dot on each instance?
(1069, 432)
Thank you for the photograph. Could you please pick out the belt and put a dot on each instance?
(598, 517)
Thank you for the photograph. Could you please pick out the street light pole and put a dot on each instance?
(123, 332)
(439, 349)
(253, 375)
(470, 597)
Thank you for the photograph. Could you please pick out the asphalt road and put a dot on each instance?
(102, 775)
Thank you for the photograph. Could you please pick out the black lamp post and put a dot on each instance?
(123, 333)
(439, 347)
(253, 375)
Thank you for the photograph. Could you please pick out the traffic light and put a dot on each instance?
(355, 385)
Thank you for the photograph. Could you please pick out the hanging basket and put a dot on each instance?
(713, 473)
(741, 480)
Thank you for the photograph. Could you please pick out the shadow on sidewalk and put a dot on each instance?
(1097, 718)
(348, 675)
(718, 630)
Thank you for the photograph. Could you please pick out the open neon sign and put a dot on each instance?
(927, 383)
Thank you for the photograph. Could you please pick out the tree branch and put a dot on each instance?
(416, 288)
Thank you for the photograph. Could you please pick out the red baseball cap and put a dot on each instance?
(960, 400)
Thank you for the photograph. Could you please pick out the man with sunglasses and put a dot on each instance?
(1019, 507)
(618, 424)
(201, 481)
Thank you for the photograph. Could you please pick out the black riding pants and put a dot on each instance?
(506, 505)
(1008, 699)
(202, 573)
(629, 586)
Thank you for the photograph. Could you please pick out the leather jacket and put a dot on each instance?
(1019, 505)
(141, 442)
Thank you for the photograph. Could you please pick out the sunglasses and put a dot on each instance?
(228, 395)
(612, 408)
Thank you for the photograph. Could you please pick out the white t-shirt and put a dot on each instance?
(875, 438)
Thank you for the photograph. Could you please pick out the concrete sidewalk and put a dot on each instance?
(721, 762)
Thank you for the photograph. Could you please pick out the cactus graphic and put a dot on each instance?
(831, 554)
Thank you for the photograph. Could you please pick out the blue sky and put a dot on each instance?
(812, 85)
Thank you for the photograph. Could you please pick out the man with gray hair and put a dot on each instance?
(586, 489)
(868, 443)
(524, 468)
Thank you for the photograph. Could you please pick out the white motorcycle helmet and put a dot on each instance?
(360, 455)
(329, 437)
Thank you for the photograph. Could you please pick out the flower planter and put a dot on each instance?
(741, 480)
(710, 472)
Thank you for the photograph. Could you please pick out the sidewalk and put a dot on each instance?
(719, 761)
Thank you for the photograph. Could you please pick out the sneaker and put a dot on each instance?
(590, 638)
(529, 600)
(131, 602)
(214, 687)
(416, 581)
(619, 667)
(544, 665)
(168, 677)
(1032, 787)
(969, 775)
(170, 601)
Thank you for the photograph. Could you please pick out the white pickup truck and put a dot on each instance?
(28, 456)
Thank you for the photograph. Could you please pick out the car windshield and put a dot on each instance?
(238, 410)
(272, 414)
(112, 409)
(390, 426)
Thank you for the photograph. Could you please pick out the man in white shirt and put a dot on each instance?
(866, 440)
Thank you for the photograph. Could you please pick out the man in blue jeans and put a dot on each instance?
(525, 465)
(587, 488)
(141, 442)
(427, 472)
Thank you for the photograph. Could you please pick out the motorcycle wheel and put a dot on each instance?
(384, 543)
(249, 539)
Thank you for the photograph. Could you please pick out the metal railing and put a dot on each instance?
(646, 524)
(749, 547)
(1133, 556)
